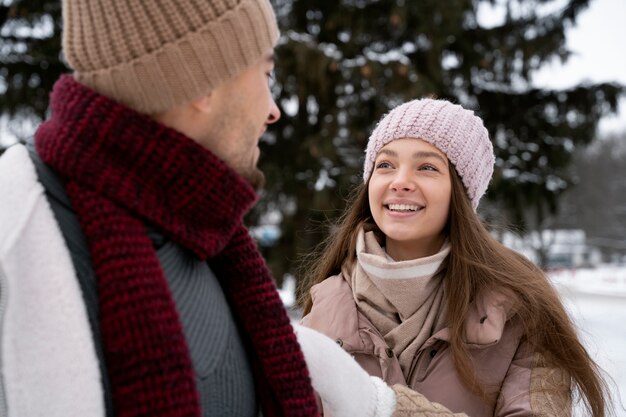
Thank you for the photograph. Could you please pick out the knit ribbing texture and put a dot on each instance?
(154, 55)
(455, 131)
(122, 170)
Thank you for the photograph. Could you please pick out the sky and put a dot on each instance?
(599, 55)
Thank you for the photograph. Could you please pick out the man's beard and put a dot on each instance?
(255, 177)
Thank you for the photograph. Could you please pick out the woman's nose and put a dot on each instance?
(402, 182)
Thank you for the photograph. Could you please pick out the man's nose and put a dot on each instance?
(274, 113)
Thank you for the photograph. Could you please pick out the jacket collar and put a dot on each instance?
(332, 297)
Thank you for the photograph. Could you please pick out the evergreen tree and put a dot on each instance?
(343, 64)
(596, 203)
(30, 60)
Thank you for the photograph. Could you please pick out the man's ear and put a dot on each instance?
(203, 104)
(187, 117)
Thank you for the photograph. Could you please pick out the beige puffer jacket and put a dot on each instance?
(518, 382)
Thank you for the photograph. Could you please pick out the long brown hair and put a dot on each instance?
(477, 261)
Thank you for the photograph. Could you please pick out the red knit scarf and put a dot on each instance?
(124, 170)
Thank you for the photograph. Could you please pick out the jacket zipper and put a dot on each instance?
(3, 302)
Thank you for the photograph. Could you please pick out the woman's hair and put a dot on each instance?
(477, 262)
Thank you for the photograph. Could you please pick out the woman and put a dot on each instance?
(416, 289)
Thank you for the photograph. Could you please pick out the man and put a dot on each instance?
(128, 283)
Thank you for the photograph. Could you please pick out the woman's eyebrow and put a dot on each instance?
(416, 155)
(388, 152)
(428, 154)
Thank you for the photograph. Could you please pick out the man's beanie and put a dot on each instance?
(155, 55)
(455, 131)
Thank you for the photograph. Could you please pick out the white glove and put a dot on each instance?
(345, 388)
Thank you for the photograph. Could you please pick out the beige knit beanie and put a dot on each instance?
(154, 55)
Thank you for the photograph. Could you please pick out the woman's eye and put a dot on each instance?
(383, 165)
(428, 167)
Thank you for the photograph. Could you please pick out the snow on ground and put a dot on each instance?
(596, 299)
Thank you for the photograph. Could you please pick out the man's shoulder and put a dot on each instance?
(19, 188)
(16, 167)
(51, 182)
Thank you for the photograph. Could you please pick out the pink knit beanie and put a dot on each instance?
(455, 131)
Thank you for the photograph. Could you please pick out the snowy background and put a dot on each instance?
(596, 299)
